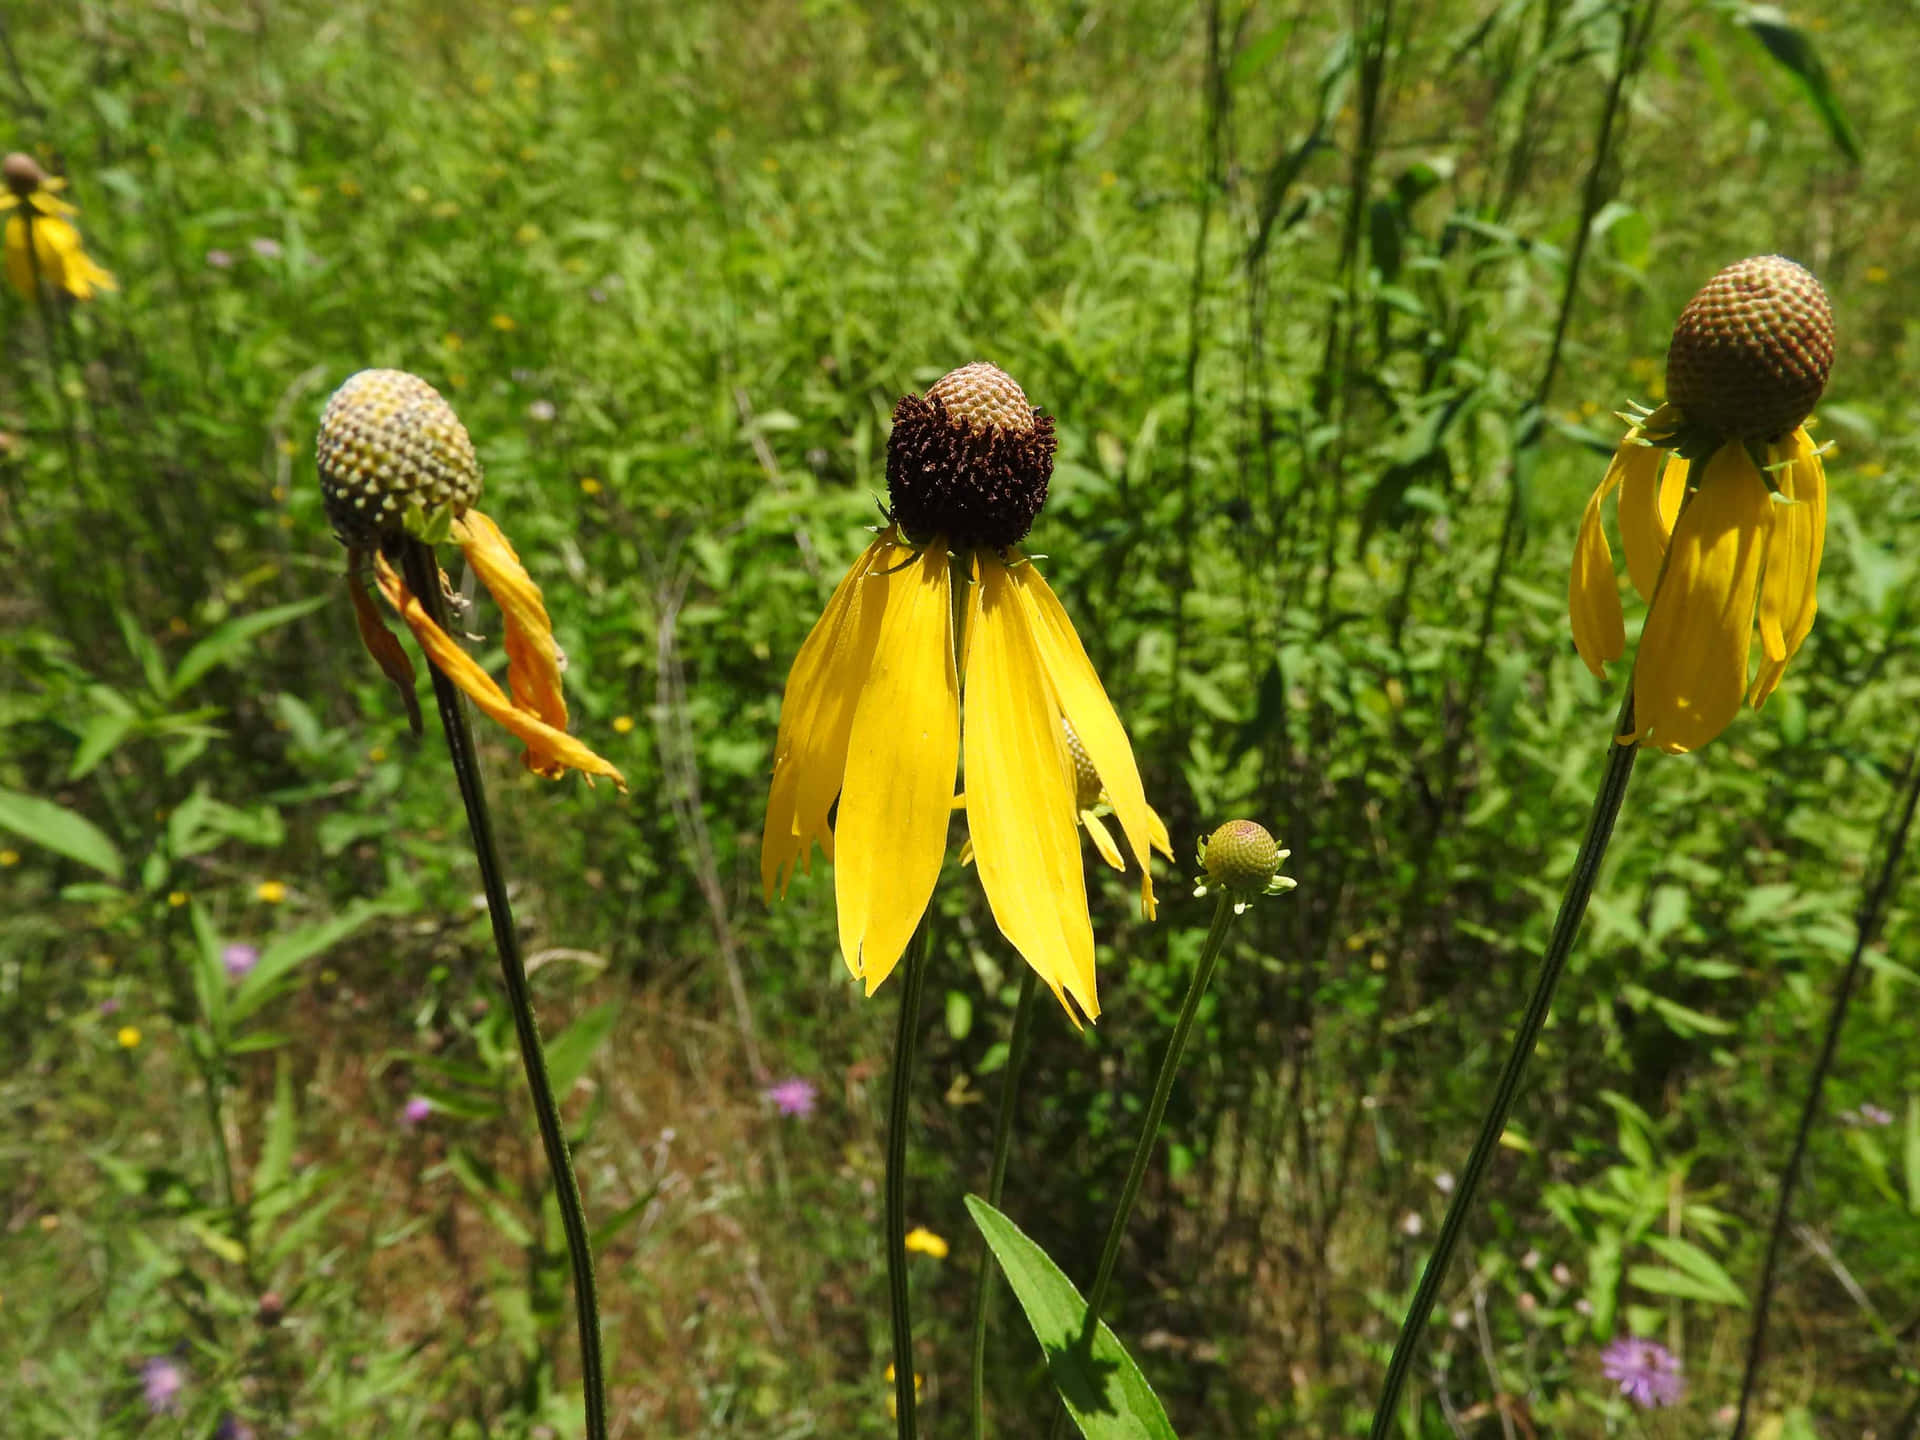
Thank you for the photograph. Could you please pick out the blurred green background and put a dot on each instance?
(1289, 277)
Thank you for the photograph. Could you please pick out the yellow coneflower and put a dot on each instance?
(1723, 508)
(394, 461)
(41, 241)
(872, 714)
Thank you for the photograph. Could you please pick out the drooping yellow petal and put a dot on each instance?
(1157, 828)
(552, 746)
(1073, 681)
(1691, 672)
(1102, 838)
(1593, 594)
(1020, 789)
(816, 715)
(533, 660)
(1789, 596)
(381, 643)
(56, 254)
(902, 753)
(1647, 511)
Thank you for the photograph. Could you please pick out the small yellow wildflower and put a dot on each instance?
(128, 1037)
(9, 857)
(41, 243)
(922, 1241)
(1876, 274)
(177, 898)
(273, 892)
(49, 1222)
(527, 234)
(503, 323)
(349, 187)
(623, 724)
(590, 486)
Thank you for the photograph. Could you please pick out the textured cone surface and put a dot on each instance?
(970, 460)
(1751, 352)
(389, 442)
(1241, 856)
(1087, 788)
(22, 173)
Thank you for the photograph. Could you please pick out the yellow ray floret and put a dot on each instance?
(902, 753)
(56, 254)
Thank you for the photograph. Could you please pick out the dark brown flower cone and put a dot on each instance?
(970, 460)
(1751, 352)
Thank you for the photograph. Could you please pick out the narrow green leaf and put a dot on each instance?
(228, 641)
(1789, 45)
(1913, 1154)
(1105, 1393)
(571, 1051)
(480, 1184)
(292, 950)
(1658, 1280)
(276, 1151)
(61, 831)
(209, 971)
(99, 739)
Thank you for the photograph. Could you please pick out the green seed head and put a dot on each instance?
(970, 460)
(1241, 856)
(1751, 352)
(389, 447)
(1087, 788)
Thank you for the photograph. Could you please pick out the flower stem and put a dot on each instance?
(423, 578)
(905, 1036)
(1223, 916)
(996, 1181)
(1566, 926)
(1866, 927)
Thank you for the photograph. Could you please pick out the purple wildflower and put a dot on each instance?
(265, 247)
(1647, 1372)
(793, 1096)
(239, 958)
(110, 1005)
(416, 1111)
(232, 1427)
(220, 259)
(162, 1379)
(1874, 1115)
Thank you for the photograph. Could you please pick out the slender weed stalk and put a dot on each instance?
(423, 578)
(1017, 1045)
(1873, 910)
(1566, 926)
(905, 1040)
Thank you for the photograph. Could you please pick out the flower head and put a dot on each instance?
(395, 462)
(1723, 508)
(922, 1241)
(127, 1037)
(1646, 1371)
(161, 1381)
(41, 242)
(1242, 859)
(792, 1096)
(872, 715)
(417, 1111)
(239, 959)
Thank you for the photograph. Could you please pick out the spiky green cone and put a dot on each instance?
(390, 447)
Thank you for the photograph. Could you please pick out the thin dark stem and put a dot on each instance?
(1223, 915)
(423, 577)
(1566, 926)
(904, 1040)
(1017, 1045)
(1867, 926)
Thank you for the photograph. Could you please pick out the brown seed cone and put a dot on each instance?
(1242, 856)
(22, 173)
(1751, 352)
(388, 442)
(970, 461)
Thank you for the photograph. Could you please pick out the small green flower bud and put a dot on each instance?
(1087, 788)
(392, 454)
(1242, 859)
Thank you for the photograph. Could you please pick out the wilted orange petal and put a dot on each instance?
(533, 661)
(388, 653)
(550, 752)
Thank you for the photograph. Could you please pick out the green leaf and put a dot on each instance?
(102, 734)
(1104, 1390)
(289, 951)
(60, 830)
(1789, 45)
(228, 641)
(571, 1051)
(276, 1152)
(1698, 1275)
(481, 1183)
(1913, 1154)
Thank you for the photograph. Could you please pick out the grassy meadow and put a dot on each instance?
(1334, 308)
